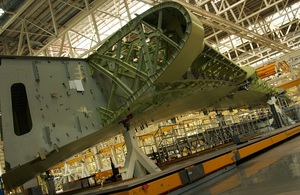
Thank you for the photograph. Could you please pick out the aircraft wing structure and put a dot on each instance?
(155, 67)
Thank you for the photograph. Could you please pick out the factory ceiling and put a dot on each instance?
(249, 32)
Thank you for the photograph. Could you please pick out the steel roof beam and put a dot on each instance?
(16, 15)
(92, 16)
(71, 24)
(53, 17)
(8, 23)
(232, 28)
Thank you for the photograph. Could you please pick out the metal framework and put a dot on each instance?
(155, 67)
(246, 31)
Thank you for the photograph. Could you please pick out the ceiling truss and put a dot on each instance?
(246, 31)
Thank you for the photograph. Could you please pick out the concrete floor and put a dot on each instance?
(276, 171)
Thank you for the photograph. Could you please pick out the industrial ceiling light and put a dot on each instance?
(1, 12)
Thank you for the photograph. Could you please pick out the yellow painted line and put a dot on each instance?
(218, 163)
(293, 131)
(122, 193)
(173, 181)
(253, 148)
(159, 186)
(279, 137)
(235, 180)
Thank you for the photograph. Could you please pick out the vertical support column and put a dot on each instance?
(96, 157)
(187, 139)
(137, 163)
(157, 149)
(67, 172)
(219, 131)
(114, 155)
(50, 183)
(277, 120)
(84, 170)
(220, 119)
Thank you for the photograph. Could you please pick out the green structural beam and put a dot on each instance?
(153, 48)
(160, 57)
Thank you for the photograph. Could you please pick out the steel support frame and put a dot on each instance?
(137, 163)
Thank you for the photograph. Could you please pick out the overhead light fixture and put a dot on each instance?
(1, 12)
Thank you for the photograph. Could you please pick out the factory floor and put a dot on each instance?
(276, 172)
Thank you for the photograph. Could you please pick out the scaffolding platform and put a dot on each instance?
(200, 167)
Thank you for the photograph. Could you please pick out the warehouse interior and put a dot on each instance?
(264, 35)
